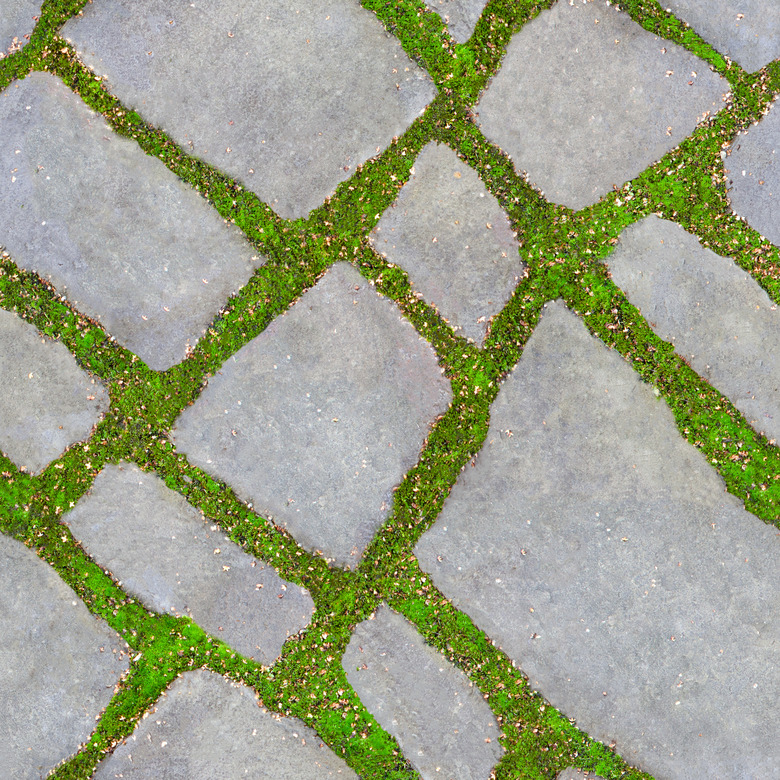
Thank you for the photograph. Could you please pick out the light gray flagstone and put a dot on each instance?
(461, 16)
(17, 20)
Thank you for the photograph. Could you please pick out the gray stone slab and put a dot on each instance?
(587, 99)
(461, 16)
(747, 31)
(716, 315)
(453, 239)
(577, 774)
(205, 726)
(317, 419)
(165, 553)
(17, 20)
(46, 401)
(442, 723)
(288, 100)
(112, 228)
(603, 554)
(754, 175)
(58, 665)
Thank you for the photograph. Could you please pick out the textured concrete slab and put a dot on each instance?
(453, 239)
(166, 554)
(587, 99)
(286, 100)
(206, 726)
(602, 553)
(441, 721)
(317, 419)
(715, 314)
(17, 20)
(461, 16)
(754, 175)
(577, 774)
(113, 229)
(747, 31)
(58, 665)
(46, 401)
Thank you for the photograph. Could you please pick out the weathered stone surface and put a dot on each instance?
(165, 553)
(17, 20)
(318, 418)
(440, 720)
(586, 99)
(46, 401)
(58, 665)
(603, 554)
(461, 16)
(577, 774)
(287, 100)
(206, 726)
(111, 227)
(453, 239)
(748, 31)
(715, 314)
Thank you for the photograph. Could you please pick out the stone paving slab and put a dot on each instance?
(207, 727)
(587, 99)
(58, 666)
(460, 16)
(240, 85)
(46, 401)
(577, 774)
(17, 20)
(112, 228)
(602, 553)
(439, 718)
(165, 553)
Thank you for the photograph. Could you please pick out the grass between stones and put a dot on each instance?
(562, 250)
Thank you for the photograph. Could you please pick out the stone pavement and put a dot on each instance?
(390, 390)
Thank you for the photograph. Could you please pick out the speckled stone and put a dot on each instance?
(577, 774)
(166, 554)
(461, 16)
(17, 20)
(288, 100)
(453, 239)
(603, 554)
(586, 99)
(46, 401)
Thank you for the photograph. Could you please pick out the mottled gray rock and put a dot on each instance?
(58, 665)
(453, 239)
(461, 16)
(46, 401)
(318, 418)
(167, 555)
(602, 553)
(206, 726)
(748, 31)
(577, 774)
(586, 99)
(715, 314)
(288, 100)
(442, 723)
(112, 228)
(17, 20)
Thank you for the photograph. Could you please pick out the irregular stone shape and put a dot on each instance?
(601, 551)
(58, 665)
(748, 31)
(17, 20)
(454, 239)
(165, 553)
(754, 175)
(461, 16)
(440, 720)
(586, 99)
(318, 418)
(111, 227)
(206, 726)
(287, 100)
(716, 315)
(577, 774)
(46, 401)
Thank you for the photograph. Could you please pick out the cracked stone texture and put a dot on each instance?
(754, 175)
(58, 665)
(443, 725)
(460, 16)
(587, 99)
(453, 239)
(166, 554)
(46, 401)
(17, 19)
(112, 228)
(716, 315)
(206, 726)
(288, 100)
(747, 31)
(320, 416)
(602, 553)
